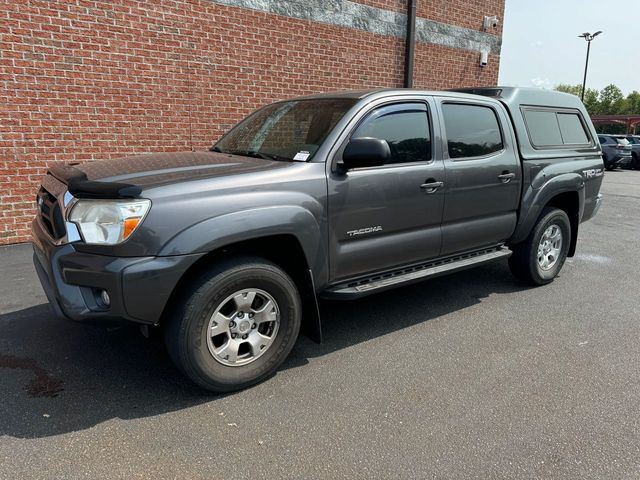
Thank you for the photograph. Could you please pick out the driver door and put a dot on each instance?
(383, 217)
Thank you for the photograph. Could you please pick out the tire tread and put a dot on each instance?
(188, 307)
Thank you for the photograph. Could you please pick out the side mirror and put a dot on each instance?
(365, 152)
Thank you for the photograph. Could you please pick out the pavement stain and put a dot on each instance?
(42, 385)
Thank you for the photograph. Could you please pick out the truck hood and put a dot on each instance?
(128, 176)
(160, 168)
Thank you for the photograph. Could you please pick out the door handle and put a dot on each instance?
(506, 177)
(431, 185)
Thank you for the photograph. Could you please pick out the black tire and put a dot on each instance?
(188, 323)
(635, 161)
(524, 261)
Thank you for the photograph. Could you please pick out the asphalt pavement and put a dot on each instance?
(467, 376)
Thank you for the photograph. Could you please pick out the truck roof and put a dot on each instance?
(512, 97)
(362, 94)
(516, 100)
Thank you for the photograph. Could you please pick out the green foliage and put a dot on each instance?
(611, 101)
(572, 89)
(608, 101)
(633, 103)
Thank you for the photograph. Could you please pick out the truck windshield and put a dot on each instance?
(286, 130)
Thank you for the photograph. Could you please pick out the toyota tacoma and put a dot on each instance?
(338, 195)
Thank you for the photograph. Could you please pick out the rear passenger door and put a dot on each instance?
(482, 175)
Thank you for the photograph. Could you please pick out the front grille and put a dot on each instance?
(51, 214)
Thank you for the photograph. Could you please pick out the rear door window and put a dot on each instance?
(471, 130)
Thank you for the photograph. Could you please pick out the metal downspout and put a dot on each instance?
(410, 43)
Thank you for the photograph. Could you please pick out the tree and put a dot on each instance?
(572, 89)
(632, 104)
(608, 101)
(611, 101)
(591, 100)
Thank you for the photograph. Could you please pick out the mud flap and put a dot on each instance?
(311, 322)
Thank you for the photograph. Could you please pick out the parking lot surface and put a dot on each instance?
(467, 376)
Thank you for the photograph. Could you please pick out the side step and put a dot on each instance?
(415, 273)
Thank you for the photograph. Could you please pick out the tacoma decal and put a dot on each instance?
(364, 231)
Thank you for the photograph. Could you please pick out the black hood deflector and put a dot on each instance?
(81, 187)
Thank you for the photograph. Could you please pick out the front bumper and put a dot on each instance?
(139, 287)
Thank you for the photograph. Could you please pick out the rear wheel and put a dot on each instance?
(234, 325)
(539, 259)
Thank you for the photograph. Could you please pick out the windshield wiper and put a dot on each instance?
(255, 154)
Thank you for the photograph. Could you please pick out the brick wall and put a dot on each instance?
(469, 14)
(82, 80)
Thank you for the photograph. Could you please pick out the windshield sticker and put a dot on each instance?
(302, 156)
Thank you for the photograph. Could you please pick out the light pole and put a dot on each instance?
(588, 37)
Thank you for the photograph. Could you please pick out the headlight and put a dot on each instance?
(108, 222)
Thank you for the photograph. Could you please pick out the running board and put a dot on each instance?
(415, 273)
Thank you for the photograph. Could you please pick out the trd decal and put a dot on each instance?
(591, 173)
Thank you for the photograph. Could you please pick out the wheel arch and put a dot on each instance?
(569, 202)
(284, 250)
(565, 192)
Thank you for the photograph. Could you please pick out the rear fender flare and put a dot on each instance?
(534, 201)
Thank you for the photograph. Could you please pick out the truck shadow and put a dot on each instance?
(347, 323)
(60, 377)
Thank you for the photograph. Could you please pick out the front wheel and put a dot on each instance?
(234, 325)
(539, 259)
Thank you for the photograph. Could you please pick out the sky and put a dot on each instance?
(541, 48)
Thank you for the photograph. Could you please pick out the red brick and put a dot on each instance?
(82, 80)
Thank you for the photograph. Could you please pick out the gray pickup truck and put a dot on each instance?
(338, 195)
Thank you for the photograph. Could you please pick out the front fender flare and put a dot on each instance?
(234, 227)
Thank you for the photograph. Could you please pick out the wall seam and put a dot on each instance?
(348, 14)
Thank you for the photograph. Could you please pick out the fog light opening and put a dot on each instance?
(104, 296)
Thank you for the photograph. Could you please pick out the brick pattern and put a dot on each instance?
(437, 68)
(393, 5)
(83, 80)
(468, 13)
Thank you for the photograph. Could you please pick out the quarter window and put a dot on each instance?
(571, 129)
(472, 130)
(406, 130)
(548, 128)
(543, 128)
